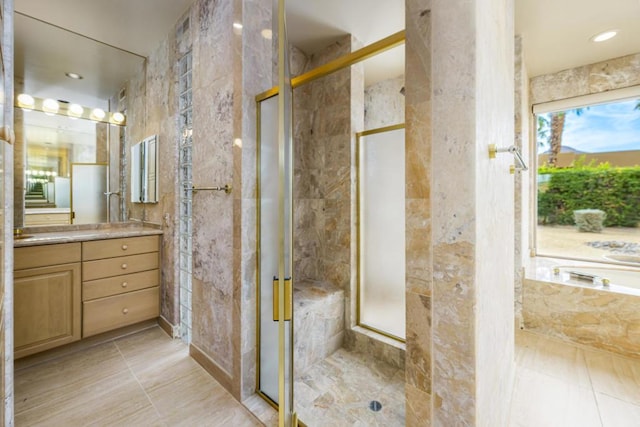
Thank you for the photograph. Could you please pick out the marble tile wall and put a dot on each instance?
(19, 161)
(495, 213)
(472, 205)
(7, 153)
(615, 73)
(384, 103)
(522, 180)
(593, 317)
(322, 172)
(151, 110)
(227, 74)
(419, 250)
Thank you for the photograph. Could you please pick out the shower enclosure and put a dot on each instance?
(307, 236)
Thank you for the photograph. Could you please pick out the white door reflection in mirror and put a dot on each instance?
(88, 188)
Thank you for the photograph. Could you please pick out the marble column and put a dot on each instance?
(419, 280)
(522, 195)
(472, 211)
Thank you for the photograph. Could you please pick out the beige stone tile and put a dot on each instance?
(542, 400)
(146, 345)
(191, 397)
(617, 413)
(179, 367)
(552, 357)
(614, 375)
(117, 400)
(54, 380)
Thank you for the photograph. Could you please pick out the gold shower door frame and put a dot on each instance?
(289, 418)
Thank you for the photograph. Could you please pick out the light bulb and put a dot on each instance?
(50, 106)
(75, 111)
(118, 117)
(26, 101)
(97, 114)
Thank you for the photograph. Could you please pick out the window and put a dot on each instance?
(588, 181)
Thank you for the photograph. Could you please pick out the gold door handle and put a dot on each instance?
(124, 284)
(125, 247)
(125, 311)
(288, 300)
(124, 266)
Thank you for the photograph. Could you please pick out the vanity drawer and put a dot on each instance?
(119, 284)
(45, 255)
(100, 249)
(113, 312)
(110, 267)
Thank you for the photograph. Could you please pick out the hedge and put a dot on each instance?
(616, 191)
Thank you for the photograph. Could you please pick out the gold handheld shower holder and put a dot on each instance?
(517, 156)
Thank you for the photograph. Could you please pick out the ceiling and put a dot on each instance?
(555, 33)
(106, 44)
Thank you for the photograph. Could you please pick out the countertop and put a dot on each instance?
(32, 237)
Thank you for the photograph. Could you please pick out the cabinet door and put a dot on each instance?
(47, 308)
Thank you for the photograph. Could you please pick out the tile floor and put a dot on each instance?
(559, 384)
(338, 391)
(147, 379)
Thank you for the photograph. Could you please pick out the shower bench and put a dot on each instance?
(318, 322)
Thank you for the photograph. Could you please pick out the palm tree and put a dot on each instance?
(551, 129)
(555, 136)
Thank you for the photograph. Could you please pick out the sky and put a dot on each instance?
(602, 128)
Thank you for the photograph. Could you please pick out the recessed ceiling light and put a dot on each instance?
(237, 25)
(603, 36)
(75, 76)
(267, 34)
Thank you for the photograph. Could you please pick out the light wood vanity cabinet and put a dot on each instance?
(120, 283)
(68, 291)
(47, 303)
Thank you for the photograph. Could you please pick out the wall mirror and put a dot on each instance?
(67, 169)
(54, 148)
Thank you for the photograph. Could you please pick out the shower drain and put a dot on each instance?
(375, 406)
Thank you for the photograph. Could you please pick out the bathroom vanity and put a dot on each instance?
(75, 284)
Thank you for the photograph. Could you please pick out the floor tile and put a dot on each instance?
(543, 400)
(552, 357)
(617, 413)
(614, 375)
(52, 381)
(111, 401)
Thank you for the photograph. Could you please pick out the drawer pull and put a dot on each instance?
(125, 310)
(125, 247)
(124, 266)
(124, 284)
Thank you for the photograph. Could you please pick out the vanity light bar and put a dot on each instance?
(73, 111)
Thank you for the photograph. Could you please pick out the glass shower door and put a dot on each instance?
(274, 248)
